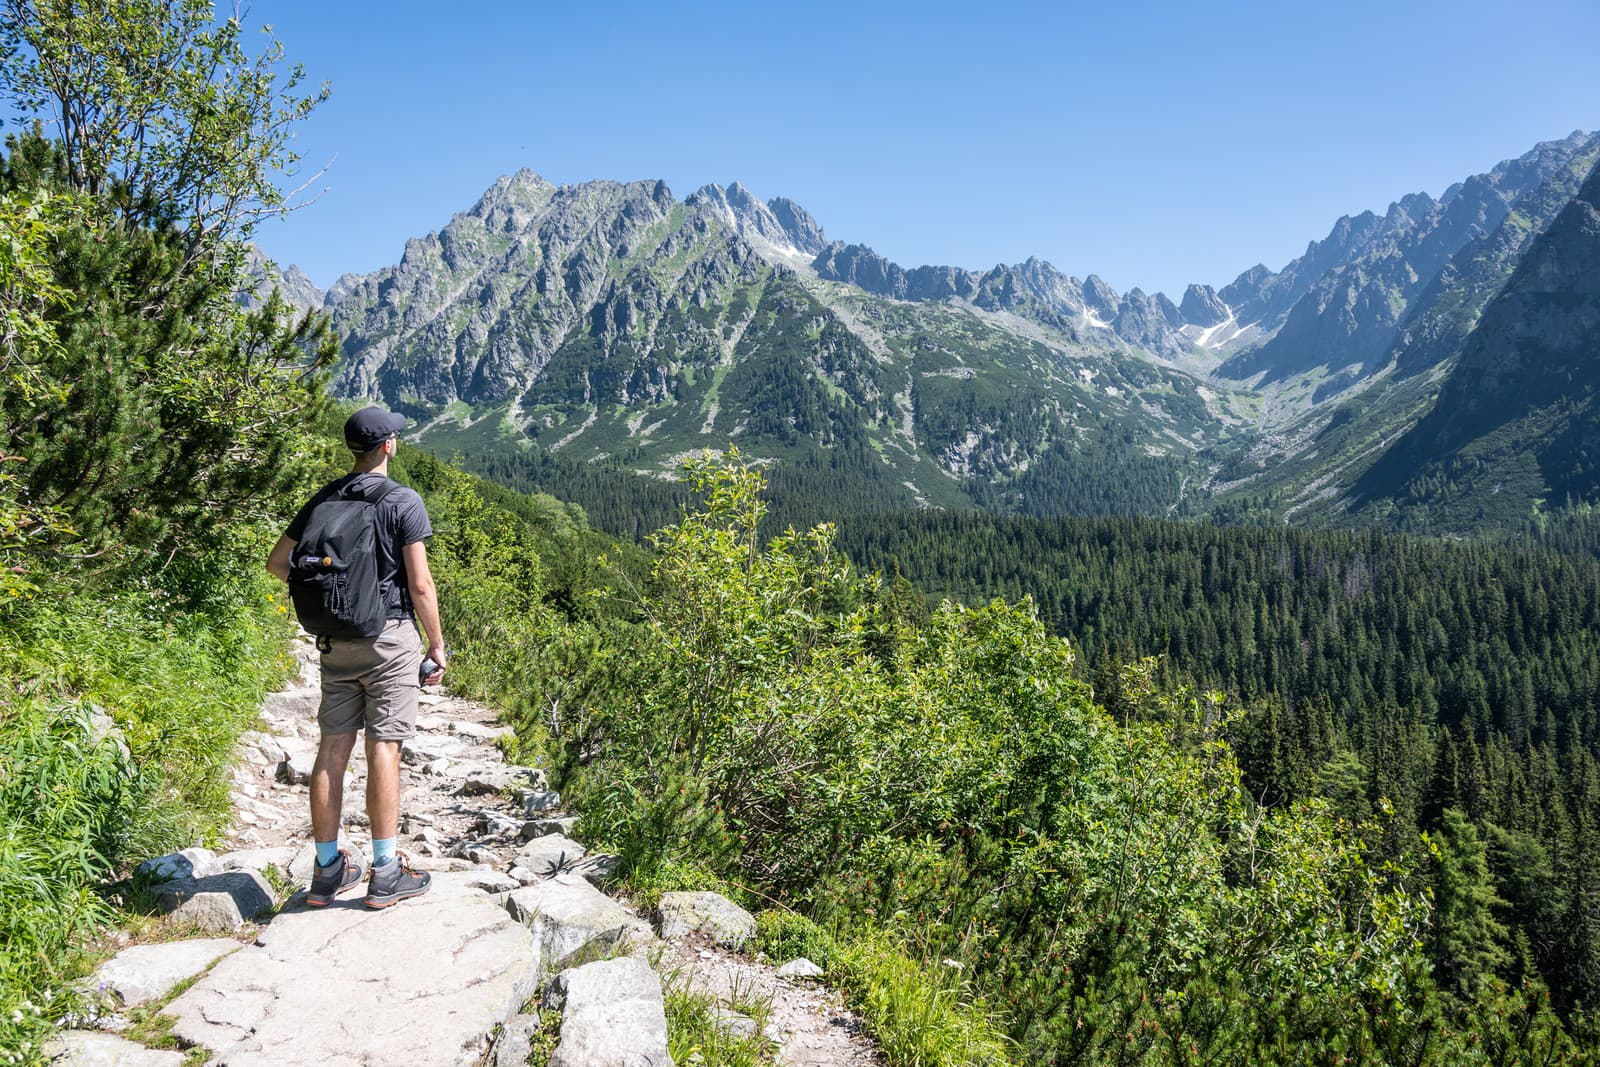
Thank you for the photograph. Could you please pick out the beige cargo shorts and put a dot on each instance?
(372, 683)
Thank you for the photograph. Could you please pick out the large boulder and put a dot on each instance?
(710, 914)
(148, 972)
(210, 901)
(569, 917)
(612, 1015)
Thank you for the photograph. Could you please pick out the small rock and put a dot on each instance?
(800, 968)
(499, 779)
(479, 731)
(711, 914)
(423, 749)
(146, 972)
(296, 767)
(539, 827)
(438, 768)
(548, 854)
(599, 868)
(492, 881)
(737, 1026)
(523, 875)
(190, 863)
(431, 723)
(514, 1046)
(537, 800)
(447, 863)
(498, 824)
(475, 851)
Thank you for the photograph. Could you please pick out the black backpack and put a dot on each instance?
(333, 577)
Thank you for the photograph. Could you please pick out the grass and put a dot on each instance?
(116, 732)
(698, 1031)
(153, 1029)
(920, 1018)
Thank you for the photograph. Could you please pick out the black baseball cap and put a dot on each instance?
(371, 427)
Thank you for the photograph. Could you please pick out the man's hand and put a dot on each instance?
(437, 654)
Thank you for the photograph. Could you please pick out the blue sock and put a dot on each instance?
(382, 850)
(327, 852)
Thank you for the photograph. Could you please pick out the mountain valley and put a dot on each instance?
(612, 324)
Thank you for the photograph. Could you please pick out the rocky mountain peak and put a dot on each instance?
(1202, 306)
(1100, 297)
(756, 222)
(513, 200)
(803, 230)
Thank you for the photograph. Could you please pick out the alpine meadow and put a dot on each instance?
(1074, 676)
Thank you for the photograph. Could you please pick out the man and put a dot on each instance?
(372, 683)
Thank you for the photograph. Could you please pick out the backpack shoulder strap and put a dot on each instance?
(390, 485)
(368, 495)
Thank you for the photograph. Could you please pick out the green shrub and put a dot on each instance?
(786, 935)
(177, 689)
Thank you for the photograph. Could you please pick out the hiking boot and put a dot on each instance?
(393, 882)
(328, 882)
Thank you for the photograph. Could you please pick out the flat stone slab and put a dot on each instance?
(549, 854)
(90, 1048)
(422, 983)
(711, 914)
(612, 1015)
(567, 915)
(148, 972)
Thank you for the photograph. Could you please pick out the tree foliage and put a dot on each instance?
(158, 108)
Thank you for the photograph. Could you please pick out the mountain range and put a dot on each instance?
(1430, 366)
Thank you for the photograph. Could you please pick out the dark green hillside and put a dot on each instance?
(1372, 666)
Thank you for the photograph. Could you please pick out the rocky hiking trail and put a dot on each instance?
(515, 922)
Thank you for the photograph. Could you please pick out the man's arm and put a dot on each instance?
(278, 558)
(425, 601)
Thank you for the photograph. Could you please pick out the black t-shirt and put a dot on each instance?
(402, 520)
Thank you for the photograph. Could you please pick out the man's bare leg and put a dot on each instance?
(383, 788)
(327, 785)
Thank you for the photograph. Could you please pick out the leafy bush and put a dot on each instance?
(93, 674)
(786, 935)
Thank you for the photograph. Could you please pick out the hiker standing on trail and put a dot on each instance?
(358, 574)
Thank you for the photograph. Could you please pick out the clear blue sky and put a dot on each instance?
(1154, 144)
